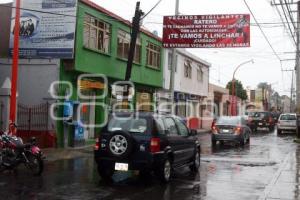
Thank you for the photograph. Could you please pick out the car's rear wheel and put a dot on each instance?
(196, 162)
(164, 171)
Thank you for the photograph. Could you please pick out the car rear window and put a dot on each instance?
(230, 121)
(251, 114)
(260, 114)
(133, 125)
(288, 117)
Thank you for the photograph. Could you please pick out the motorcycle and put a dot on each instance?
(14, 152)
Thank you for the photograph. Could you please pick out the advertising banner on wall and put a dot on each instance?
(206, 31)
(47, 28)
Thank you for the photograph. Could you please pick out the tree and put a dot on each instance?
(263, 85)
(239, 89)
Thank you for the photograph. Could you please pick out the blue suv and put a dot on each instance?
(147, 142)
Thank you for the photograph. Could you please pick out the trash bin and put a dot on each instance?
(79, 135)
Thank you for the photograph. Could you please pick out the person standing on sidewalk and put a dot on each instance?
(213, 123)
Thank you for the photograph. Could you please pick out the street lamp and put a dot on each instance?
(233, 99)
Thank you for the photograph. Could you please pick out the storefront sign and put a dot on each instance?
(86, 84)
(47, 28)
(206, 31)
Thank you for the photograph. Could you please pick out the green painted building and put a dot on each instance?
(101, 47)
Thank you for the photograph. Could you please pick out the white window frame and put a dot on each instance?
(94, 24)
(200, 73)
(125, 37)
(153, 55)
(187, 69)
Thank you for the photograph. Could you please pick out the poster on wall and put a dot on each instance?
(206, 31)
(47, 28)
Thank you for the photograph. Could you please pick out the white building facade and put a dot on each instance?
(191, 85)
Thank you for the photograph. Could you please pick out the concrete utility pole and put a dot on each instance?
(172, 73)
(292, 88)
(134, 34)
(297, 67)
(298, 60)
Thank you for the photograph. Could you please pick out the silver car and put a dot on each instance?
(287, 122)
(230, 129)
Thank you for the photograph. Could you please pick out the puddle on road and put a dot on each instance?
(257, 164)
(241, 162)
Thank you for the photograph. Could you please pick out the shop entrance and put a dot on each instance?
(88, 113)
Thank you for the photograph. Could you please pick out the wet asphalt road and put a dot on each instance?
(227, 172)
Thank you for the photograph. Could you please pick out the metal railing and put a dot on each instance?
(33, 118)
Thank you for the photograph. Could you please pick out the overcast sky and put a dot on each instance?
(266, 67)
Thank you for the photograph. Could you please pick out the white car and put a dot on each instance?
(287, 122)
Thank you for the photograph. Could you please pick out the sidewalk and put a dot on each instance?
(54, 154)
(286, 182)
(203, 131)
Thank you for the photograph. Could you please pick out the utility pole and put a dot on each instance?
(292, 88)
(134, 34)
(174, 61)
(14, 71)
(297, 67)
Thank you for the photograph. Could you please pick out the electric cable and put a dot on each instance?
(151, 9)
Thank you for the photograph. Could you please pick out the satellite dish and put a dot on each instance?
(155, 32)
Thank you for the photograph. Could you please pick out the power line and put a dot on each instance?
(289, 27)
(279, 13)
(151, 9)
(266, 38)
(289, 12)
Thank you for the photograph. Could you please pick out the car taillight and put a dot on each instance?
(214, 129)
(155, 145)
(97, 145)
(270, 120)
(238, 130)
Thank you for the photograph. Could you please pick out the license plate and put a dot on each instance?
(121, 166)
(225, 131)
(260, 124)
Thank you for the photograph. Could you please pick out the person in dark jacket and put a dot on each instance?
(30, 27)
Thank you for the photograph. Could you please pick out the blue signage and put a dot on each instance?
(48, 33)
(79, 132)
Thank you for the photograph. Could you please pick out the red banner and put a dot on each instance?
(206, 31)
